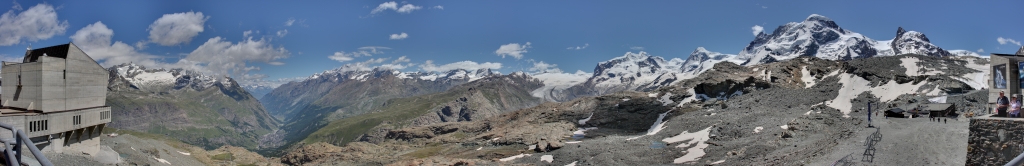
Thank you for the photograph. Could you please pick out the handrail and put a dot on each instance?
(32, 148)
(13, 152)
(1016, 160)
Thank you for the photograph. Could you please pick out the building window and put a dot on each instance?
(76, 120)
(105, 115)
(39, 125)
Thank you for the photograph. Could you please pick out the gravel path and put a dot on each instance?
(916, 141)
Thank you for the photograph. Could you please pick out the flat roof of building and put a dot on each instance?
(14, 112)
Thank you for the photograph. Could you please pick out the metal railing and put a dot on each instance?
(13, 147)
(1016, 160)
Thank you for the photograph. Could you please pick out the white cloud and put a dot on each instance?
(362, 66)
(636, 48)
(385, 6)
(177, 28)
(400, 36)
(1003, 41)
(220, 57)
(757, 29)
(141, 45)
(342, 56)
(289, 22)
(247, 33)
(541, 67)
(37, 23)
(585, 45)
(980, 50)
(438, 7)
(95, 40)
(764, 7)
(512, 49)
(408, 8)
(401, 59)
(405, 9)
(467, 65)
(9, 58)
(282, 33)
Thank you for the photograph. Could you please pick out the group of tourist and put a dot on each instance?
(1013, 104)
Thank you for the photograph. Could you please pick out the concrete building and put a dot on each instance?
(1004, 76)
(57, 95)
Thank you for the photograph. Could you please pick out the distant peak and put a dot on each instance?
(900, 31)
(817, 17)
(700, 49)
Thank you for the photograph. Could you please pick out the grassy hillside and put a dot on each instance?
(208, 118)
(484, 98)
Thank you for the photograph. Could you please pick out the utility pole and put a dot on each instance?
(869, 115)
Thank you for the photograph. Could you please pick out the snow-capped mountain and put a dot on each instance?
(913, 42)
(701, 60)
(632, 71)
(965, 53)
(821, 37)
(135, 76)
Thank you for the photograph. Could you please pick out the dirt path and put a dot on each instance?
(916, 141)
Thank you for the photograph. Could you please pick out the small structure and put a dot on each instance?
(895, 112)
(57, 96)
(940, 109)
(1005, 69)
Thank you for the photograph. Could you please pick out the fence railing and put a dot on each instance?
(13, 148)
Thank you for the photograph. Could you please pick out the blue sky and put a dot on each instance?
(452, 31)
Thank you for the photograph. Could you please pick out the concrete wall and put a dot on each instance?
(56, 122)
(994, 141)
(55, 84)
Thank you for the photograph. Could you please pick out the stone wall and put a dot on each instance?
(994, 141)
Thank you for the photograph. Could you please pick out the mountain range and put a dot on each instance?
(201, 110)
(339, 106)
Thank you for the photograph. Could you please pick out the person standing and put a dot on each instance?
(1014, 107)
(1001, 104)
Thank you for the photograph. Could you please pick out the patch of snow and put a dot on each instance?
(584, 121)
(573, 142)
(784, 127)
(718, 162)
(977, 79)
(187, 154)
(582, 131)
(626, 99)
(808, 112)
(656, 127)
(555, 83)
(666, 99)
(162, 161)
(938, 99)
(652, 95)
(479, 148)
(699, 138)
(532, 147)
(514, 157)
(548, 158)
(854, 85)
(807, 78)
(758, 129)
(430, 77)
(495, 139)
(572, 164)
(154, 77)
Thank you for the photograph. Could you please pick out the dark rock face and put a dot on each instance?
(994, 141)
